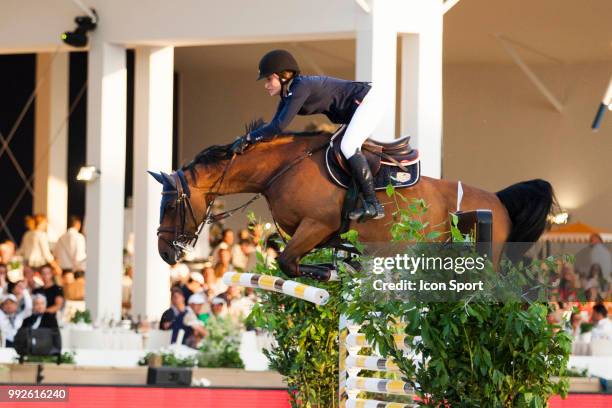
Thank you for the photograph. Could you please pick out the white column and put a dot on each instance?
(375, 60)
(420, 22)
(153, 103)
(51, 141)
(421, 93)
(106, 123)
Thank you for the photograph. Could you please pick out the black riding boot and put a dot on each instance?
(363, 175)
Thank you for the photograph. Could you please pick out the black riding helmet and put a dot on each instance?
(277, 61)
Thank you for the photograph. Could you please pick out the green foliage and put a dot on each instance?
(577, 372)
(67, 357)
(81, 316)
(475, 353)
(306, 353)
(169, 359)
(220, 347)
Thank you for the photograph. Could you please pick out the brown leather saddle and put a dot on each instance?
(395, 163)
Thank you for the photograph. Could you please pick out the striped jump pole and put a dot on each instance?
(379, 385)
(291, 288)
(351, 364)
(372, 363)
(363, 403)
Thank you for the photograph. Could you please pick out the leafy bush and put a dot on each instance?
(169, 359)
(81, 316)
(306, 350)
(474, 353)
(577, 372)
(220, 347)
(67, 357)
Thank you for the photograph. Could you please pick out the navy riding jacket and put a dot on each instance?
(306, 95)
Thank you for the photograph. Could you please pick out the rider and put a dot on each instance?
(355, 103)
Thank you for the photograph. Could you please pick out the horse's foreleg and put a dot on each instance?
(308, 235)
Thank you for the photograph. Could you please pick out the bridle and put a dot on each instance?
(183, 239)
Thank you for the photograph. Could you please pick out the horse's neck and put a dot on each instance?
(252, 171)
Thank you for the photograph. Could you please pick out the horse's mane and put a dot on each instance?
(217, 153)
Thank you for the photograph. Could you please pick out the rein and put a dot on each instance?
(226, 214)
(183, 239)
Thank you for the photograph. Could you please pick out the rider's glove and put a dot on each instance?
(241, 143)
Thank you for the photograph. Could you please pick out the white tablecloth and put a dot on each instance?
(108, 339)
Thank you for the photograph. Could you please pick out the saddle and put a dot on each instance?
(395, 163)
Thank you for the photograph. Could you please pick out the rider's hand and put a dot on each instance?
(240, 144)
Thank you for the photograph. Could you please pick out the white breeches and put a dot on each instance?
(364, 121)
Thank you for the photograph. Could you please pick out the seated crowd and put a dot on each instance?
(36, 279)
(33, 294)
(585, 322)
(30, 302)
(199, 296)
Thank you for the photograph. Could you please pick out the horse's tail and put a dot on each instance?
(528, 204)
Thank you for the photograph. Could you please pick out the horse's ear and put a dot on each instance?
(157, 176)
(168, 179)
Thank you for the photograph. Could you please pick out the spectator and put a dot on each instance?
(601, 255)
(32, 281)
(213, 285)
(195, 284)
(193, 318)
(40, 318)
(70, 247)
(569, 284)
(126, 289)
(74, 285)
(35, 245)
(232, 293)
(227, 239)
(602, 326)
(238, 306)
(227, 242)
(172, 319)
(224, 262)
(177, 306)
(53, 292)
(27, 240)
(244, 234)
(22, 294)
(575, 322)
(596, 284)
(10, 318)
(243, 255)
(218, 307)
(7, 251)
(3, 279)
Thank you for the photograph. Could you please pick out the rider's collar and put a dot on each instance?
(285, 88)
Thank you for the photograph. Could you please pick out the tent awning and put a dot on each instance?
(575, 232)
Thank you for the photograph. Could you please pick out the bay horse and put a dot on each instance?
(290, 172)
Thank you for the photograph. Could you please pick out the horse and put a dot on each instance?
(290, 172)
